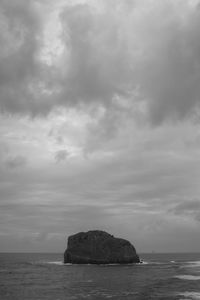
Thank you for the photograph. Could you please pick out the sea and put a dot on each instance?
(38, 276)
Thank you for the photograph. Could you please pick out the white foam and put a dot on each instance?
(150, 262)
(154, 263)
(143, 262)
(190, 295)
(188, 277)
(59, 263)
(114, 264)
(193, 264)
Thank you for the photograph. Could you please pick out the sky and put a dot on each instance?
(100, 122)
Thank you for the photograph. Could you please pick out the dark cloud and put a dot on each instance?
(190, 208)
(61, 155)
(169, 77)
(16, 162)
(98, 63)
(114, 49)
(149, 47)
(187, 206)
(18, 67)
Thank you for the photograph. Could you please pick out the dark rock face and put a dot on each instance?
(99, 247)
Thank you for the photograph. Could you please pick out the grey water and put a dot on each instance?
(31, 276)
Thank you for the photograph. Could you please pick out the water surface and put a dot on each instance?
(32, 276)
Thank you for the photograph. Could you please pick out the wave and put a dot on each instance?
(127, 264)
(187, 277)
(59, 263)
(193, 264)
(190, 295)
(153, 263)
(142, 263)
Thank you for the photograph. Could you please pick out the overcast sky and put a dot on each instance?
(100, 122)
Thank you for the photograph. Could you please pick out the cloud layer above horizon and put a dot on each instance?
(99, 106)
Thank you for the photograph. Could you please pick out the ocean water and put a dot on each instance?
(32, 276)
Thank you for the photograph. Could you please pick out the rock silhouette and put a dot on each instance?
(99, 247)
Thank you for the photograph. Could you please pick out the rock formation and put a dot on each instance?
(99, 247)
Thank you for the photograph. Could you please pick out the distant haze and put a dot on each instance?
(100, 122)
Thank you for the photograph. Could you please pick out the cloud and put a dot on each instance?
(150, 47)
(109, 49)
(190, 208)
(170, 73)
(18, 67)
(130, 193)
(97, 67)
(61, 155)
(16, 162)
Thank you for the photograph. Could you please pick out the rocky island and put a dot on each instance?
(99, 247)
